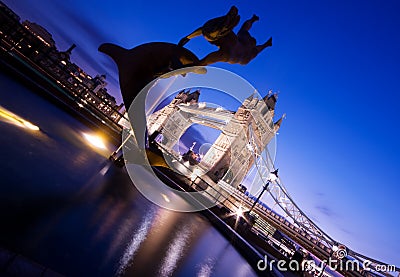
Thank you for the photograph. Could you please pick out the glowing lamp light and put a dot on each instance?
(7, 116)
(95, 140)
(239, 212)
(30, 126)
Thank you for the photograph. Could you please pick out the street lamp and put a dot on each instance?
(273, 176)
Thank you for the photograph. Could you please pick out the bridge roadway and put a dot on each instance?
(301, 237)
(314, 246)
(238, 199)
(296, 234)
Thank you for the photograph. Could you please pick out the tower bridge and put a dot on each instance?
(244, 137)
(230, 157)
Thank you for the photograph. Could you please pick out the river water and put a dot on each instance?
(63, 205)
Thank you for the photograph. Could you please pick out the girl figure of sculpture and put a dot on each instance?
(234, 48)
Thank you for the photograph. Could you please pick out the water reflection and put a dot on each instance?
(180, 244)
(206, 268)
(138, 238)
(175, 251)
(12, 118)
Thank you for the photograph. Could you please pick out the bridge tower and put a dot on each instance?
(231, 156)
(170, 121)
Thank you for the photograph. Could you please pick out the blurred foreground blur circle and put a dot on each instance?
(146, 103)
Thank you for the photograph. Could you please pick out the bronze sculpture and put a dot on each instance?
(215, 29)
(142, 64)
(234, 48)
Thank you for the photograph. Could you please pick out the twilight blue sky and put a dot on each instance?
(336, 65)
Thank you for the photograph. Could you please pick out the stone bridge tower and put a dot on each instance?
(232, 154)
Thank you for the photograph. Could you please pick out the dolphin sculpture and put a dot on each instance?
(142, 64)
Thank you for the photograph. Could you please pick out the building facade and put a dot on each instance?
(34, 44)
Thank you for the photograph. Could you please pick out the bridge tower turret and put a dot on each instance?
(231, 156)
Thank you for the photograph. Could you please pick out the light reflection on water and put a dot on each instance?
(179, 244)
(134, 244)
(206, 268)
(175, 251)
(9, 117)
